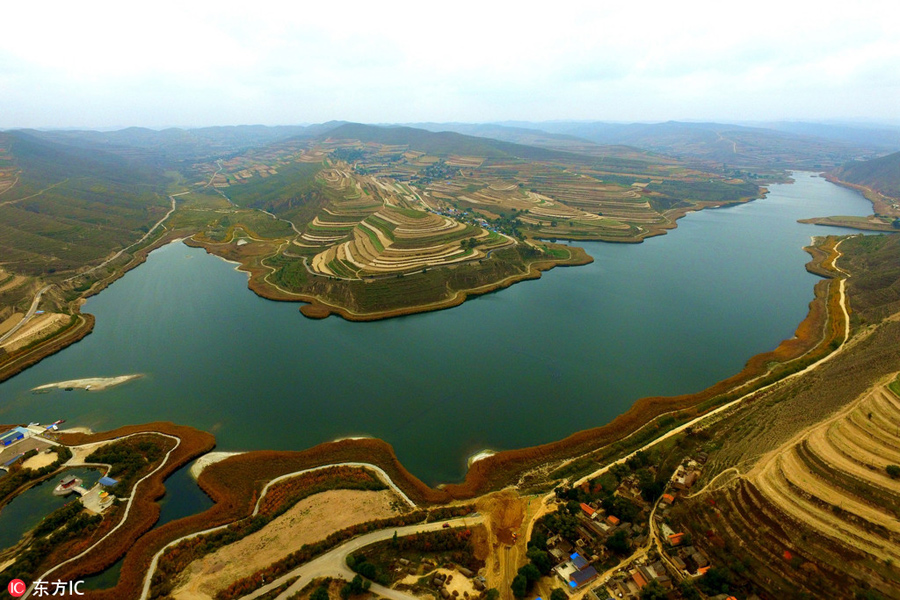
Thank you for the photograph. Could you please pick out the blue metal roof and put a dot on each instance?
(11, 461)
(107, 481)
(579, 562)
(581, 577)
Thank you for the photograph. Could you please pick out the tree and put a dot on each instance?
(653, 591)
(716, 581)
(321, 593)
(688, 591)
(541, 560)
(651, 489)
(558, 594)
(355, 587)
(893, 471)
(531, 573)
(519, 586)
(493, 594)
(538, 540)
(618, 543)
(620, 471)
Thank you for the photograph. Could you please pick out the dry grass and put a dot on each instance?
(308, 521)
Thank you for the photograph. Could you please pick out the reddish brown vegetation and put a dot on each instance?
(144, 513)
(242, 477)
(286, 493)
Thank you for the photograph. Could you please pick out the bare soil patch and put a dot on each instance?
(35, 329)
(10, 322)
(308, 521)
(40, 460)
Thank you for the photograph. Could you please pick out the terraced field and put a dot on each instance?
(371, 204)
(834, 478)
(822, 504)
(351, 199)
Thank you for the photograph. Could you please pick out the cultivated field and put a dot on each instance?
(820, 513)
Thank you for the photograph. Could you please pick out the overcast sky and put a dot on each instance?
(155, 64)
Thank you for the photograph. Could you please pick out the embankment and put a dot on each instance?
(133, 537)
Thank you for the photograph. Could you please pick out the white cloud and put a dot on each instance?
(217, 63)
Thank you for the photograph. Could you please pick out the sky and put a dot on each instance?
(161, 64)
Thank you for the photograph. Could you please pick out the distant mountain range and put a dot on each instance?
(794, 146)
(779, 145)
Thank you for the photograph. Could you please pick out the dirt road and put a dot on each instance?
(334, 563)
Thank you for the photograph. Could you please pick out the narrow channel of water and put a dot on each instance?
(183, 498)
(26, 510)
(526, 365)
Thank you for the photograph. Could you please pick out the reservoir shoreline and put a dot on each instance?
(423, 394)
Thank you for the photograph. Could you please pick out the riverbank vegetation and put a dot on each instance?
(134, 536)
(18, 478)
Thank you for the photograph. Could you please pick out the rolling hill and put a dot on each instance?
(732, 145)
(880, 174)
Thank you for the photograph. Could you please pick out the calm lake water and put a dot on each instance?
(527, 365)
(27, 509)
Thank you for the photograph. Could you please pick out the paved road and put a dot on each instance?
(28, 315)
(334, 563)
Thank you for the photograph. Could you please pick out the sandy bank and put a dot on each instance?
(84, 430)
(210, 458)
(480, 455)
(92, 384)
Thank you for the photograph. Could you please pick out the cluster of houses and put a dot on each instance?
(629, 583)
(680, 555)
(595, 527)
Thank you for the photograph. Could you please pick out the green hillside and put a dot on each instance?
(443, 143)
(880, 174)
(72, 207)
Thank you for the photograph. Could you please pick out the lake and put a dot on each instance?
(526, 365)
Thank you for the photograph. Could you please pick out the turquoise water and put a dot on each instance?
(526, 365)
